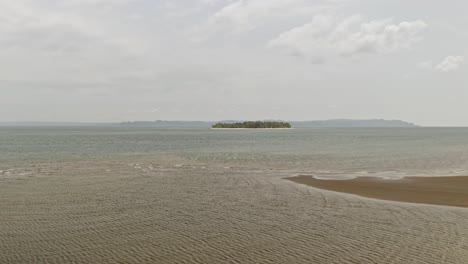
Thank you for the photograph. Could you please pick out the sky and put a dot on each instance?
(125, 60)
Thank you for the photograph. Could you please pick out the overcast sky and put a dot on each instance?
(121, 60)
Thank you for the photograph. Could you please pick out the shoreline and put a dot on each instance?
(445, 191)
(241, 128)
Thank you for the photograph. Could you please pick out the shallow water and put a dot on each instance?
(108, 195)
(322, 152)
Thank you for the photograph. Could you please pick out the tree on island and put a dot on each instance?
(253, 124)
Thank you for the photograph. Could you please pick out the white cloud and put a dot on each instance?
(450, 63)
(245, 15)
(326, 36)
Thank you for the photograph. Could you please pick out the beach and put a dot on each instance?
(449, 191)
(160, 210)
(145, 195)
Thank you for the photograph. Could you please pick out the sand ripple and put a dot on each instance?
(158, 211)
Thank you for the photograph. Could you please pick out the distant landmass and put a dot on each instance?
(207, 124)
(353, 123)
(298, 124)
(48, 124)
(253, 124)
(161, 123)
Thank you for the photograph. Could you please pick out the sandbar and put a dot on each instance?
(448, 191)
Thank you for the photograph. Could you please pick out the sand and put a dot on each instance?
(450, 191)
(170, 210)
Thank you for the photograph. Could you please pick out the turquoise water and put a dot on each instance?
(321, 152)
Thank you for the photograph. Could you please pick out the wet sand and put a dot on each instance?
(166, 209)
(450, 191)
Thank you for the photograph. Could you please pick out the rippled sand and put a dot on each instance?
(156, 210)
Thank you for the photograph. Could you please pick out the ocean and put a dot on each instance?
(331, 152)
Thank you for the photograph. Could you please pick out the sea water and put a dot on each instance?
(331, 152)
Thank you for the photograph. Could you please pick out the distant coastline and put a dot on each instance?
(240, 128)
(252, 125)
(334, 123)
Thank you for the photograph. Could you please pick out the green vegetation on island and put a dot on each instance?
(253, 124)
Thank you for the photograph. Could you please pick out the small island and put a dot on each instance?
(253, 124)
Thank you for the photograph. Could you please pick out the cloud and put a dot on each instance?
(97, 2)
(450, 63)
(327, 36)
(22, 26)
(210, 2)
(58, 28)
(241, 16)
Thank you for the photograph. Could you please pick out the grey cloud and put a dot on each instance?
(31, 26)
